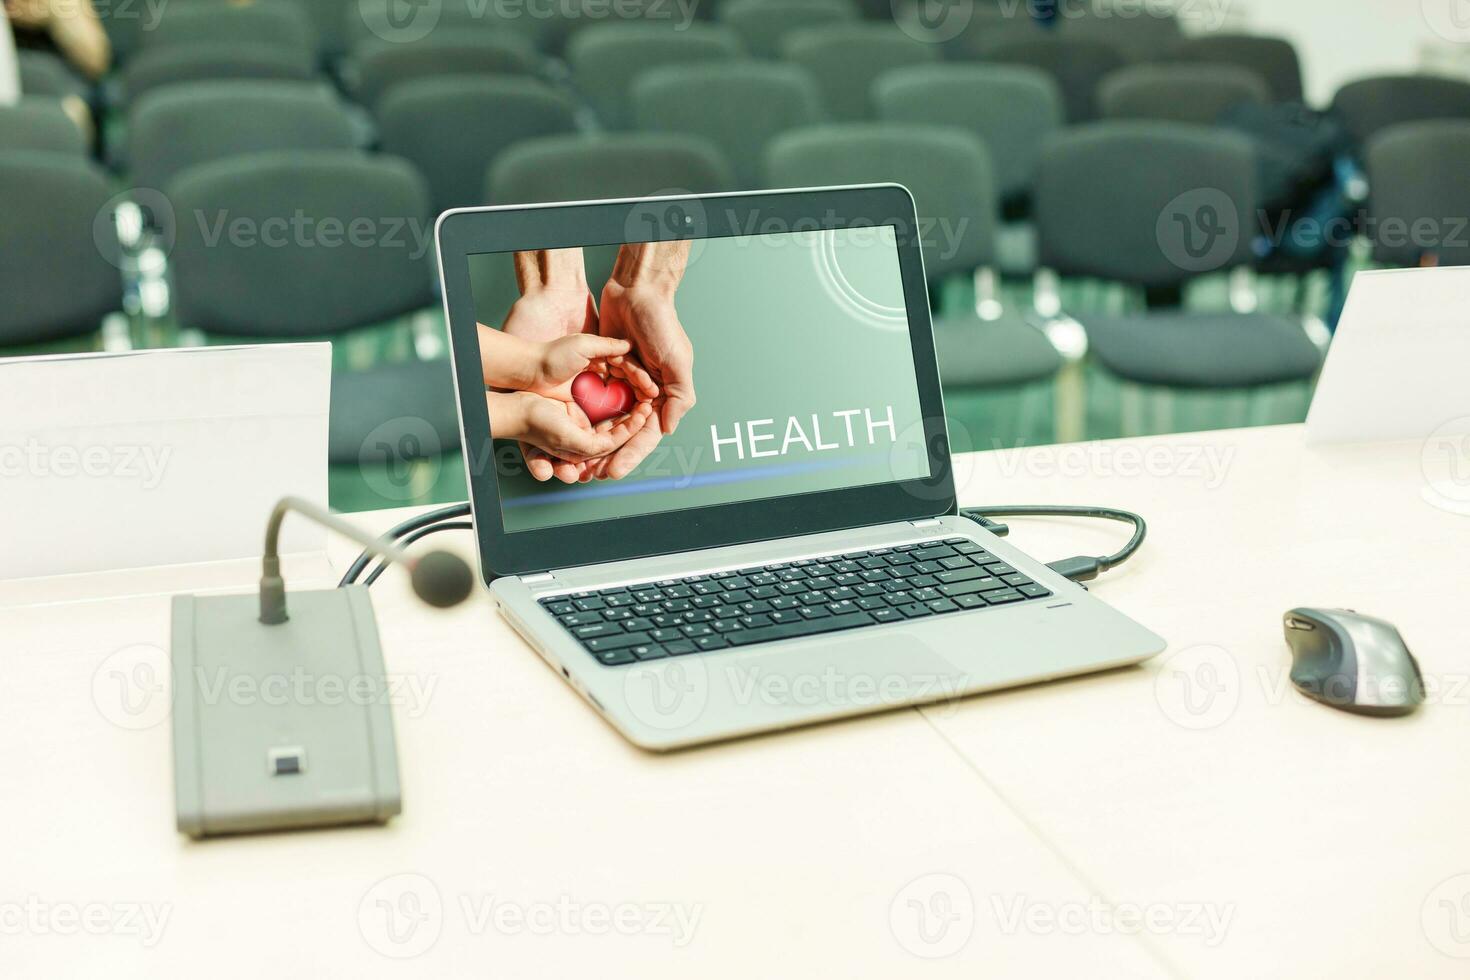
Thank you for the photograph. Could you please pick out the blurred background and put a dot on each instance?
(1142, 215)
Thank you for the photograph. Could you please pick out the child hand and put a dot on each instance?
(563, 359)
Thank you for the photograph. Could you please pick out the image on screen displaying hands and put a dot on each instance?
(589, 385)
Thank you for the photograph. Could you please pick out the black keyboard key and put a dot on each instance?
(872, 602)
(786, 616)
(964, 575)
(958, 561)
(638, 623)
(887, 615)
(972, 587)
(914, 610)
(597, 629)
(621, 641)
(934, 553)
(785, 602)
(561, 608)
(813, 612)
(665, 635)
(725, 625)
(648, 651)
(764, 592)
(942, 606)
(622, 599)
(579, 619)
(1003, 596)
(592, 604)
(678, 592)
(1034, 591)
(1014, 580)
(614, 657)
(750, 622)
(804, 627)
(679, 648)
(715, 642)
(972, 600)
(696, 630)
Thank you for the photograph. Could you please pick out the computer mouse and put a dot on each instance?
(1353, 662)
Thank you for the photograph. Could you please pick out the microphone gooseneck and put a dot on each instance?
(440, 579)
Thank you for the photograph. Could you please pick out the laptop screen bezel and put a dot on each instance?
(473, 231)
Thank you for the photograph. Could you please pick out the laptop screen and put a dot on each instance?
(782, 362)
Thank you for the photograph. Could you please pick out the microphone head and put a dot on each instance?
(442, 579)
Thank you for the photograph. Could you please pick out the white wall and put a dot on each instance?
(1340, 40)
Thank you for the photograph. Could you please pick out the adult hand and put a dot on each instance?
(638, 304)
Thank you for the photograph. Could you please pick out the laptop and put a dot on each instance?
(790, 552)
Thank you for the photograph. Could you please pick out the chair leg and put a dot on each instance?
(1070, 401)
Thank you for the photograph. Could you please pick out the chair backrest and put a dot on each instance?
(1012, 109)
(278, 23)
(1179, 92)
(179, 126)
(740, 106)
(762, 23)
(455, 126)
(1076, 66)
(586, 168)
(380, 65)
(845, 60)
(1145, 203)
(172, 64)
(60, 273)
(1419, 199)
(946, 169)
(1140, 35)
(607, 58)
(299, 244)
(973, 37)
(1371, 105)
(1273, 58)
(381, 20)
(39, 123)
(42, 73)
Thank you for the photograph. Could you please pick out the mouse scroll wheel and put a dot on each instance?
(1292, 623)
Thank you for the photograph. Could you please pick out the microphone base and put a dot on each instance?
(285, 726)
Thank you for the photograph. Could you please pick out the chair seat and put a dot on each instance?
(976, 353)
(1184, 350)
(396, 412)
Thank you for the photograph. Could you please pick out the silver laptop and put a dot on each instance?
(732, 510)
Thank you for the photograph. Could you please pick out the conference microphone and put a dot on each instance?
(302, 735)
(439, 578)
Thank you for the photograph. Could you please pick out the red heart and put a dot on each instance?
(602, 399)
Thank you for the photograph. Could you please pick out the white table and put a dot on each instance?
(1119, 825)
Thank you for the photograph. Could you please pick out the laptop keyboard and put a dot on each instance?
(811, 596)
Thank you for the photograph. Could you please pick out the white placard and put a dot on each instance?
(1399, 367)
(160, 457)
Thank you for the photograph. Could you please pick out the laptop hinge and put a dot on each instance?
(540, 578)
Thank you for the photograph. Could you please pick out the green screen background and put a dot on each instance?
(782, 325)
